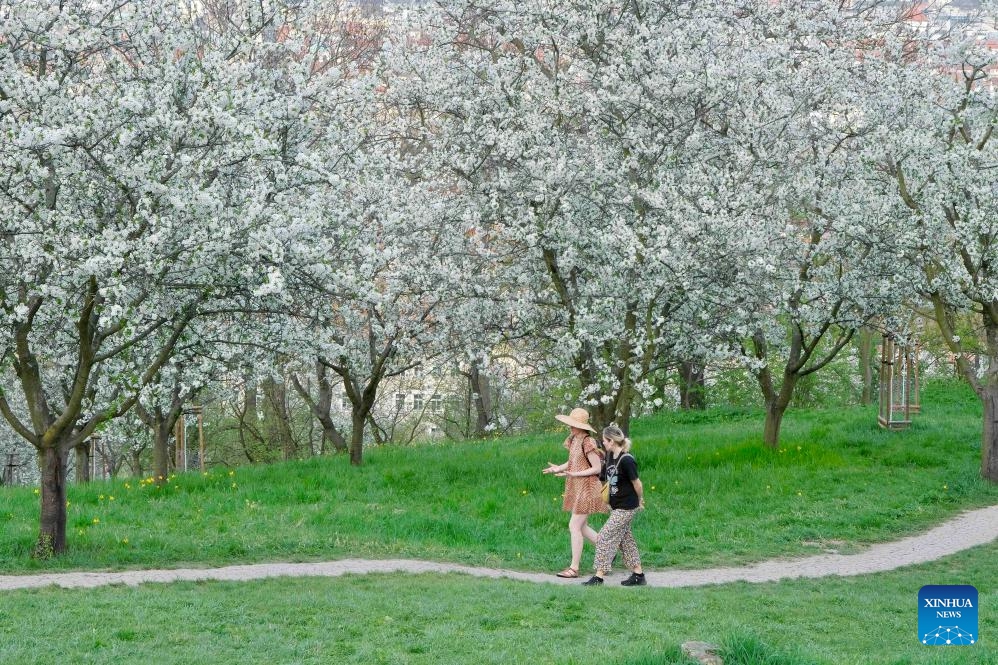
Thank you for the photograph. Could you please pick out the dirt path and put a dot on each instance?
(969, 529)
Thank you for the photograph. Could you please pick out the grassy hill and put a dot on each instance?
(715, 496)
(838, 482)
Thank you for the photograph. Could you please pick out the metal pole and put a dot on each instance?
(94, 447)
(182, 451)
(178, 435)
(200, 413)
(890, 385)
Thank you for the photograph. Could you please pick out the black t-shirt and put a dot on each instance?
(622, 472)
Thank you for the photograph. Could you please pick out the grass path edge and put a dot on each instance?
(966, 530)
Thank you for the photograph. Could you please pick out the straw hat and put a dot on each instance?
(577, 418)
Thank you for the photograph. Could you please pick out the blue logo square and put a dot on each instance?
(947, 615)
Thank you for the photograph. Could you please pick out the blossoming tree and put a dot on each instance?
(938, 159)
(132, 188)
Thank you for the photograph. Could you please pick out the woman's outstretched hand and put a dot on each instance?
(551, 468)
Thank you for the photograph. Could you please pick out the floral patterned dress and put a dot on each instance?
(582, 495)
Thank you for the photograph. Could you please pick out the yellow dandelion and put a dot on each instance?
(67, 504)
(110, 498)
(96, 520)
(100, 498)
(124, 541)
(232, 473)
(37, 491)
(127, 486)
(945, 487)
(233, 486)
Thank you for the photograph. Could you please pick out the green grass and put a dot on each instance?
(715, 496)
(719, 498)
(430, 619)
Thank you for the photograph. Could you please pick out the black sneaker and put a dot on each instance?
(636, 579)
(595, 580)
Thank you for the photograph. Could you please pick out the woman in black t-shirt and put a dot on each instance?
(626, 498)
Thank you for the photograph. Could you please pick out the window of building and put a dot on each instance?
(417, 401)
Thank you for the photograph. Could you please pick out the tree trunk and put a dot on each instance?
(358, 420)
(866, 348)
(249, 418)
(180, 445)
(987, 390)
(321, 408)
(83, 462)
(334, 436)
(692, 386)
(162, 432)
(624, 417)
(989, 443)
(481, 396)
(776, 407)
(162, 423)
(277, 419)
(249, 395)
(600, 416)
(52, 530)
(771, 430)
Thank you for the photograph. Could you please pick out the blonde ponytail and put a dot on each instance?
(616, 435)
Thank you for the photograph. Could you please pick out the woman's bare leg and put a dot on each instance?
(577, 527)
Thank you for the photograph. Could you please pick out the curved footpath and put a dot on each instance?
(969, 529)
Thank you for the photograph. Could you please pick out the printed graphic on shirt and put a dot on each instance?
(611, 476)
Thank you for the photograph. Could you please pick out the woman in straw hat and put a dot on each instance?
(582, 484)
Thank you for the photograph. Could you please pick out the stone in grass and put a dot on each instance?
(704, 652)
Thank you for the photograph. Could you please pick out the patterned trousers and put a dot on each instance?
(616, 533)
